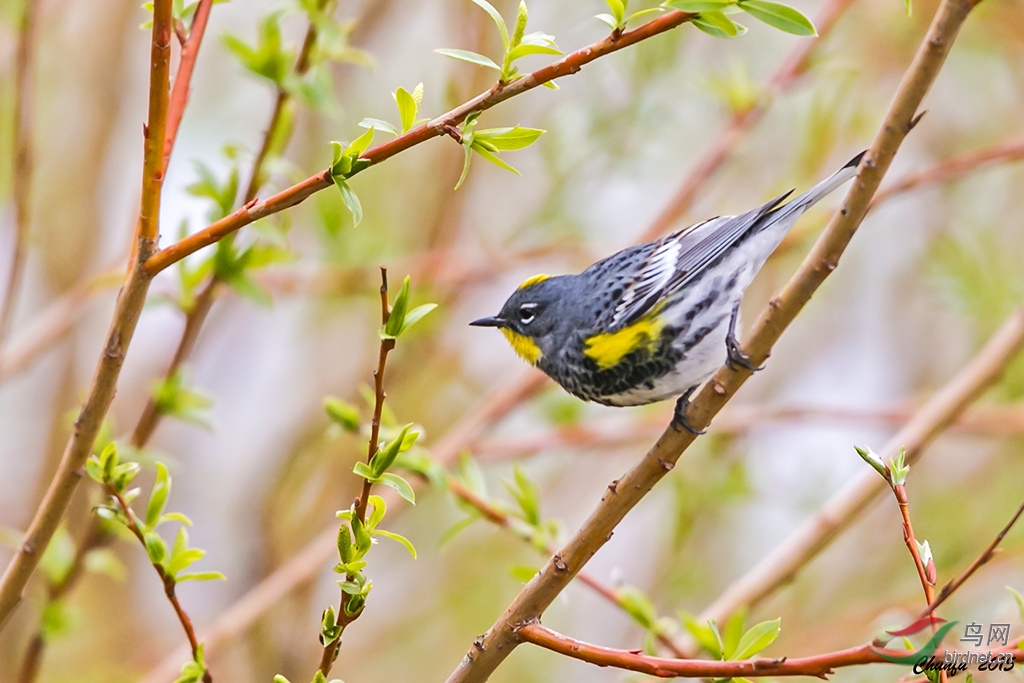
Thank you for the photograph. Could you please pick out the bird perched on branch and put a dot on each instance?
(657, 319)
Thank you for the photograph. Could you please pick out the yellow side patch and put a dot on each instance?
(523, 346)
(533, 280)
(608, 348)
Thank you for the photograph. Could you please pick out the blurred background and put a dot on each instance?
(930, 275)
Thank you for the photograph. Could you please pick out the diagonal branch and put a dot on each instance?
(568, 65)
(835, 516)
(126, 316)
(493, 647)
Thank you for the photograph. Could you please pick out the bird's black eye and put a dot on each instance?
(526, 313)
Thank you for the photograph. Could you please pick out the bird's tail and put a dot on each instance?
(816, 193)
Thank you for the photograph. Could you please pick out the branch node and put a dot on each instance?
(559, 563)
(452, 132)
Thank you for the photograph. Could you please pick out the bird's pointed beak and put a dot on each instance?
(493, 321)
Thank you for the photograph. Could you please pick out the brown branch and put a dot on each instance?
(126, 316)
(568, 65)
(819, 666)
(742, 122)
(21, 181)
(925, 572)
(494, 514)
(166, 579)
(492, 648)
(840, 511)
(979, 561)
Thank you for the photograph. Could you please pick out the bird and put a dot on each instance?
(655, 320)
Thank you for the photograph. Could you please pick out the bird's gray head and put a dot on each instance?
(530, 317)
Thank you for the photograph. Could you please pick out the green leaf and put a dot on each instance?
(363, 470)
(176, 517)
(158, 497)
(1020, 602)
(417, 314)
(397, 537)
(183, 560)
(526, 495)
(698, 6)
(407, 108)
(59, 556)
(104, 561)
(608, 20)
(465, 167)
(400, 485)
(396, 317)
(201, 576)
(522, 16)
(780, 16)
(493, 158)
(351, 201)
(639, 607)
(521, 51)
(508, 139)
(343, 413)
(379, 509)
(155, 547)
(345, 545)
(718, 25)
(757, 638)
(379, 124)
(618, 8)
(733, 632)
(360, 144)
(498, 21)
(467, 56)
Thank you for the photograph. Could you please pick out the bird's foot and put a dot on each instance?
(679, 421)
(735, 358)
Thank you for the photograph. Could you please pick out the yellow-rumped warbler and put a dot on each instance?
(655, 320)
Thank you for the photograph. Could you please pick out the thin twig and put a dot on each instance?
(491, 649)
(166, 579)
(21, 181)
(979, 561)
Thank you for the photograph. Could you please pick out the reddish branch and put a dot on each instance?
(819, 666)
(183, 78)
(255, 210)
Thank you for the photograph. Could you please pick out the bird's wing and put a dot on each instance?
(678, 258)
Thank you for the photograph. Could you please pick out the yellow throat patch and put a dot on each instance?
(523, 346)
(608, 348)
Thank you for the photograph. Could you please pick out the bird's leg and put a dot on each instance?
(679, 421)
(733, 355)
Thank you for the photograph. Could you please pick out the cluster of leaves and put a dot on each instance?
(116, 475)
(524, 514)
(733, 643)
(269, 58)
(345, 163)
(895, 472)
(408, 107)
(713, 16)
(515, 46)
(175, 399)
(354, 542)
(490, 141)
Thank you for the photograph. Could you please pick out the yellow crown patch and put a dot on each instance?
(533, 280)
